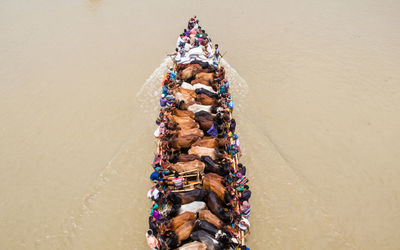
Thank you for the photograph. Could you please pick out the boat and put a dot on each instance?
(200, 196)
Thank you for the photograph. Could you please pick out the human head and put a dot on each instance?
(240, 165)
(157, 185)
(176, 174)
(216, 45)
(246, 187)
(150, 232)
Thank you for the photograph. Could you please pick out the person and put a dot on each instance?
(180, 40)
(241, 180)
(160, 131)
(182, 50)
(246, 194)
(178, 180)
(230, 103)
(186, 32)
(165, 90)
(232, 126)
(152, 241)
(245, 211)
(164, 102)
(244, 225)
(156, 161)
(154, 193)
(217, 56)
(213, 132)
(242, 169)
(160, 117)
(221, 73)
(156, 176)
(222, 89)
(176, 57)
(172, 74)
(153, 225)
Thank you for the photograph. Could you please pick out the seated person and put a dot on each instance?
(178, 180)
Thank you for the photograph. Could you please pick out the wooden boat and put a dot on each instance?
(201, 64)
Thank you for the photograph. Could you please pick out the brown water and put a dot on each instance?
(319, 118)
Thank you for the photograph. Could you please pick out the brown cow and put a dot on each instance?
(180, 67)
(213, 182)
(184, 99)
(192, 131)
(211, 143)
(183, 113)
(202, 81)
(179, 220)
(190, 92)
(188, 125)
(178, 142)
(205, 76)
(179, 119)
(183, 232)
(207, 215)
(189, 72)
(205, 122)
(185, 158)
(185, 122)
(202, 151)
(206, 100)
(188, 166)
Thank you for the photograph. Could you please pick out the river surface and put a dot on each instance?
(317, 89)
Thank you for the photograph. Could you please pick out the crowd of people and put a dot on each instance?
(200, 197)
(194, 42)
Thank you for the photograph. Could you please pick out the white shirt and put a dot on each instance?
(245, 221)
(153, 193)
(179, 41)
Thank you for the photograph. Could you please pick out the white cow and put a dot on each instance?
(198, 107)
(202, 86)
(186, 85)
(193, 207)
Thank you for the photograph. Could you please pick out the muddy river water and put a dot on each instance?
(317, 89)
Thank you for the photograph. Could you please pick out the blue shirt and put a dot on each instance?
(230, 104)
(173, 75)
(165, 90)
(226, 85)
(155, 176)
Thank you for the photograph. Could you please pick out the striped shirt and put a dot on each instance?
(178, 182)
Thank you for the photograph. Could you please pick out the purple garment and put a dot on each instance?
(156, 215)
(213, 131)
(245, 196)
(163, 102)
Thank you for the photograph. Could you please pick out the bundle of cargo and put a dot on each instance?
(200, 199)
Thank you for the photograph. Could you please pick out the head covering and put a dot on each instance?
(158, 169)
(244, 221)
(239, 175)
